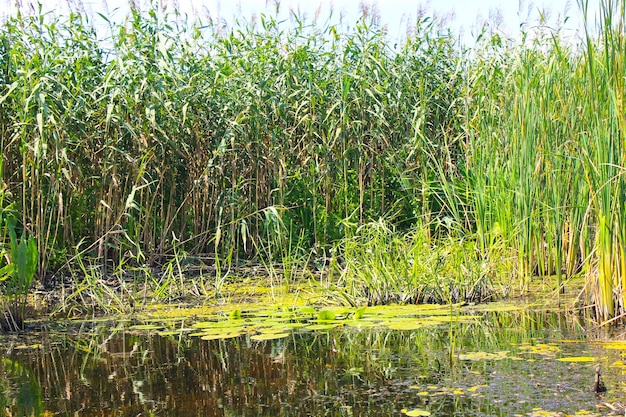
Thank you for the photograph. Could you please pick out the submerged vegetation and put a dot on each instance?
(417, 173)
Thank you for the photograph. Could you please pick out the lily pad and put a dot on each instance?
(221, 336)
(220, 331)
(478, 356)
(578, 359)
(416, 413)
(269, 336)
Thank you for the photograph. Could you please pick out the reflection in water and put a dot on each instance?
(343, 372)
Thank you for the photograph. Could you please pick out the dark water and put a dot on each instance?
(109, 369)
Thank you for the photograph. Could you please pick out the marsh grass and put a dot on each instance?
(383, 266)
(272, 142)
(546, 154)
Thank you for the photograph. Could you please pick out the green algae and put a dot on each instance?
(478, 356)
(256, 319)
(578, 359)
(415, 413)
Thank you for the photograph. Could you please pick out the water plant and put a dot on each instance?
(170, 178)
(272, 142)
(18, 274)
(383, 266)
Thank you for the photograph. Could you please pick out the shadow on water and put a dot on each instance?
(498, 364)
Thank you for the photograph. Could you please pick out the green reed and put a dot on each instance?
(545, 133)
(273, 141)
(170, 131)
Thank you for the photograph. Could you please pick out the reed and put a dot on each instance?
(383, 266)
(171, 132)
(551, 148)
(274, 141)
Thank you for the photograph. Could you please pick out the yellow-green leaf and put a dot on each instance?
(578, 359)
(416, 413)
(269, 336)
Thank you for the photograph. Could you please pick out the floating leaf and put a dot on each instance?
(619, 364)
(325, 315)
(578, 359)
(616, 345)
(359, 313)
(585, 413)
(548, 349)
(415, 413)
(307, 310)
(218, 333)
(221, 336)
(269, 336)
(538, 412)
(476, 388)
(406, 324)
(478, 356)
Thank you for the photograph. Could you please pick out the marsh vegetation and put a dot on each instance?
(172, 156)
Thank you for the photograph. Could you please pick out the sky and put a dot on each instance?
(466, 17)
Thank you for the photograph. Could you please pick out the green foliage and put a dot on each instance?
(269, 141)
(24, 259)
(18, 263)
(546, 156)
(172, 129)
(383, 266)
(18, 274)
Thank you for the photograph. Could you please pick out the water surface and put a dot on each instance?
(492, 364)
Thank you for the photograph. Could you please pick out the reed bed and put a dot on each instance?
(274, 140)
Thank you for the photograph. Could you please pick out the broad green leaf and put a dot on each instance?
(7, 271)
(269, 336)
(324, 315)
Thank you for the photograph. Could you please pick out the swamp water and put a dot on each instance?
(299, 361)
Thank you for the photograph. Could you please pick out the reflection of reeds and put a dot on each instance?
(306, 370)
